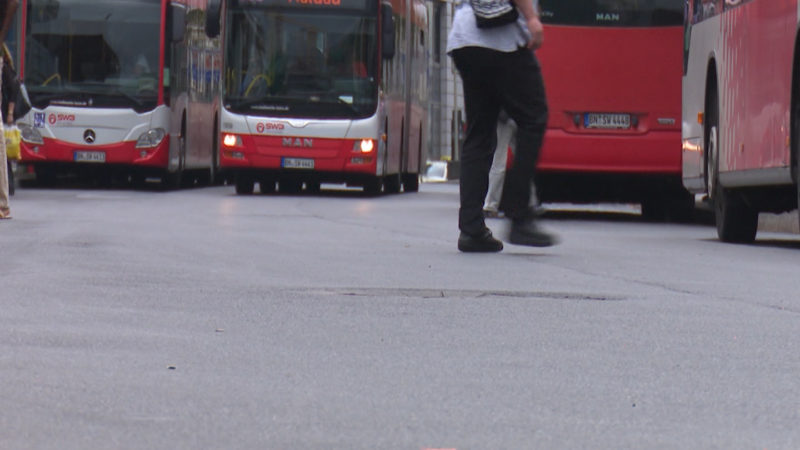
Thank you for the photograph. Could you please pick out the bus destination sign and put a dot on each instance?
(338, 4)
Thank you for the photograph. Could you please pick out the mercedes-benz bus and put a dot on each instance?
(120, 86)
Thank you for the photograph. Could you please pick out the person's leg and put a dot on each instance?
(522, 90)
(524, 99)
(4, 209)
(497, 173)
(475, 65)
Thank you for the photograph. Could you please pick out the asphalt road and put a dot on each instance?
(199, 319)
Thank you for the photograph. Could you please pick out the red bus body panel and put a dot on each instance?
(612, 70)
(759, 42)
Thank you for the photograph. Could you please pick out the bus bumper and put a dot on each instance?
(609, 168)
(651, 153)
(122, 153)
(330, 159)
(693, 165)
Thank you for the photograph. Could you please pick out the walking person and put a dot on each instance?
(506, 137)
(499, 71)
(9, 89)
(7, 10)
(506, 132)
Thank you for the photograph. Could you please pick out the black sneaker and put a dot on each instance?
(526, 232)
(484, 243)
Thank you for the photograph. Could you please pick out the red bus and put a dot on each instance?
(120, 86)
(741, 110)
(323, 91)
(612, 74)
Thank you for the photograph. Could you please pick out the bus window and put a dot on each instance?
(85, 46)
(302, 62)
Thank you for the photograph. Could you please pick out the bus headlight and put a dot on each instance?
(151, 138)
(30, 135)
(231, 140)
(364, 146)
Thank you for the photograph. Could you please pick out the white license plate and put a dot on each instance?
(94, 157)
(297, 163)
(604, 120)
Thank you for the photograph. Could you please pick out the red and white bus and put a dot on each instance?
(120, 86)
(612, 75)
(741, 109)
(323, 91)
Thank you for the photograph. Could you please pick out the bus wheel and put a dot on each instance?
(175, 180)
(138, 180)
(213, 172)
(736, 221)
(373, 185)
(411, 182)
(205, 178)
(392, 184)
(289, 186)
(266, 185)
(313, 186)
(654, 209)
(172, 180)
(244, 185)
(45, 175)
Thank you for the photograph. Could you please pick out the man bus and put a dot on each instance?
(612, 72)
(741, 110)
(120, 86)
(323, 91)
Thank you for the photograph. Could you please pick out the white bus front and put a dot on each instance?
(301, 100)
(94, 71)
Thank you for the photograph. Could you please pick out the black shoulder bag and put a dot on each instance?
(494, 13)
(19, 95)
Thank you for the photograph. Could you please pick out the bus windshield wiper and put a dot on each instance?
(267, 102)
(284, 103)
(75, 95)
(102, 89)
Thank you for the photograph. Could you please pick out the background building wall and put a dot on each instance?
(446, 102)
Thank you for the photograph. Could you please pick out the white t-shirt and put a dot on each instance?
(505, 38)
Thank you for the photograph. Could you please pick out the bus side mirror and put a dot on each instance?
(213, 13)
(387, 31)
(177, 21)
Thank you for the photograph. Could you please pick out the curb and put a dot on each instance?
(779, 223)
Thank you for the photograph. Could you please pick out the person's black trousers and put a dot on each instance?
(493, 80)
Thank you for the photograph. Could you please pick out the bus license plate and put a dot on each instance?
(297, 163)
(603, 120)
(93, 157)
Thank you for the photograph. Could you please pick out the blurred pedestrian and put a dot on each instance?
(7, 10)
(506, 132)
(8, 92)
(499, 71)
(506, 141)
(9, 78)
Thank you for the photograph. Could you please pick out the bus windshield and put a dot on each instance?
(90, 53)
(300, 63)
(613, 13)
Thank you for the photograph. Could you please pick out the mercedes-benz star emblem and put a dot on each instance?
(89, 136)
